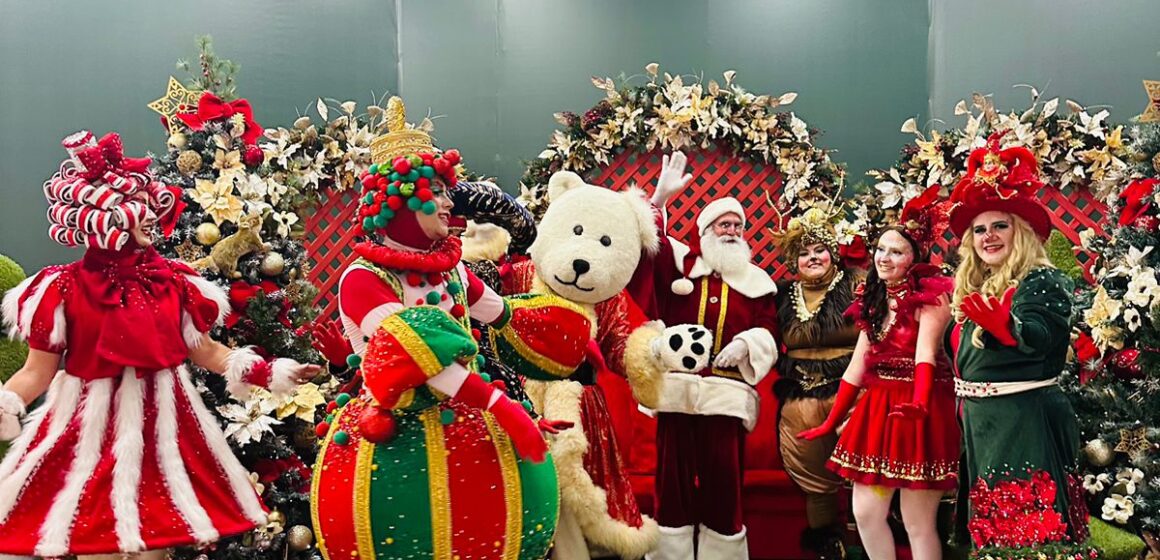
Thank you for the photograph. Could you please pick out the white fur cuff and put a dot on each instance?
(239, 363)
(285, 378)
(11, 403)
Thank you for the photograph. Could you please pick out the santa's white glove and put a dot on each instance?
(672, 179)
(683, 348)
(11, 409)
(732, 354)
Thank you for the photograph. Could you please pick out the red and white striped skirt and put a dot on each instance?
(122, 464)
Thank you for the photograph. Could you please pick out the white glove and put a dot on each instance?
(732, 354)
(11, 409)
(683, 348)
(672, 179)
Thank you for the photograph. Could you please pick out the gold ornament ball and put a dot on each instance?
(1156, 162)
(1099, 453)
(189, 162)
(273, 264)
(176, 141)
(208, 234)
(300, 538)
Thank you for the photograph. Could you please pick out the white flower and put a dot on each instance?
(1130, 477)
(1092, 125)
(275, 190)
(799, 128)
(1086, 237)
(248, 422)
(895, 194)
(1095, 484)
(285, 220)
(1118, 508)
(252, 189)
(1142, 289)
(1133, 320)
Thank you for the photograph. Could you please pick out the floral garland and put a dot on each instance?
(1078, 148)
(668, 114)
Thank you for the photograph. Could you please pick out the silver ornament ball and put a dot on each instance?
(1099, 453)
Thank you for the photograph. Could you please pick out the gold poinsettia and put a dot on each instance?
(306, 399)
(218, 200)
(229, 164)
(930, 153)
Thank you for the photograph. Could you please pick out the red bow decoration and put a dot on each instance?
(109, 156)
(211, 108)
(1137, 200)
(241, 292)
(1086, 352)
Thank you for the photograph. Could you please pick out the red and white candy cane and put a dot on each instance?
(122, 184)
(59, 189)
(63, 214)
(69, 237)
(113, 239)
(102, 197)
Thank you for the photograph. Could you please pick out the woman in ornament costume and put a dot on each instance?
(1009, 342)
(903, 435)
(430, 460)
(819, 339)
(123, 457)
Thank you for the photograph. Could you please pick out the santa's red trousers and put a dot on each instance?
(699, 460)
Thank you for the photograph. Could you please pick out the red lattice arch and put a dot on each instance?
(716, 173)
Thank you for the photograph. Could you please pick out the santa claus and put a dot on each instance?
(704, 414)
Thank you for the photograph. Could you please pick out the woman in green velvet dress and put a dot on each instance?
(1009, 343)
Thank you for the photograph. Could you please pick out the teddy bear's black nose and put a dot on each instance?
(580, 266)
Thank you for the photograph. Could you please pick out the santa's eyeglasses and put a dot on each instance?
(727, 226)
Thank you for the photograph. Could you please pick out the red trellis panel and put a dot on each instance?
(715, 174)
(330, 232)
(330, 229)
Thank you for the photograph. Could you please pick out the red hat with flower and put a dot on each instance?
(401, 180)
(1003, 180)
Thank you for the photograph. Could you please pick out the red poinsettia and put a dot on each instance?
(1136, 200)
(241, 292)
(1016, 513)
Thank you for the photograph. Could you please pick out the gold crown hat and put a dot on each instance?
(400, 140)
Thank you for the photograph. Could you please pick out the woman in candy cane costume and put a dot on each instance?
(123, 457)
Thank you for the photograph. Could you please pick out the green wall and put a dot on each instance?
(498, 69)
(119, 57)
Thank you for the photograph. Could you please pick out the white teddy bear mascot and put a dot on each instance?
(587, 247)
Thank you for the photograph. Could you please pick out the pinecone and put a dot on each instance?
(189, 162)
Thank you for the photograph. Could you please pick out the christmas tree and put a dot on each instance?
(1115, 381)
(241, 229)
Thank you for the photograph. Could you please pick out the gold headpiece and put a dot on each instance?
(399, 139)
(815, 225)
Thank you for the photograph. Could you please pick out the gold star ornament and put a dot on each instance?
(1133, 441)
(1152, 112)
(177, 99)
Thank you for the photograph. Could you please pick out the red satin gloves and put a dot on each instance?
(992, 314)
(847, 394)
(923, 383)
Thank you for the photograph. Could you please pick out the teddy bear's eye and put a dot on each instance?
(578, 230)
(605, 240)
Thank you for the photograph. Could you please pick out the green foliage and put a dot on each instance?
(1113, 542)
(216, 75)
(1062, 255)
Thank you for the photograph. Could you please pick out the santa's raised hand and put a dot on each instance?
(672, 178)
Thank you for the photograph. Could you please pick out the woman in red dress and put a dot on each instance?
(123, 457)
(902, 436)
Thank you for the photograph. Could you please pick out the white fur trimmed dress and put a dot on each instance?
(119, 458)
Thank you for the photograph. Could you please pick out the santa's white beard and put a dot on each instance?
(726, 254)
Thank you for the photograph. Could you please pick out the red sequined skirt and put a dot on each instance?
(877, 449)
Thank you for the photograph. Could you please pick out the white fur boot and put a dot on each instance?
(712, 545)
(675, 543)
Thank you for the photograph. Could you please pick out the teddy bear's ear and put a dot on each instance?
(562, 182)
(650, 239)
